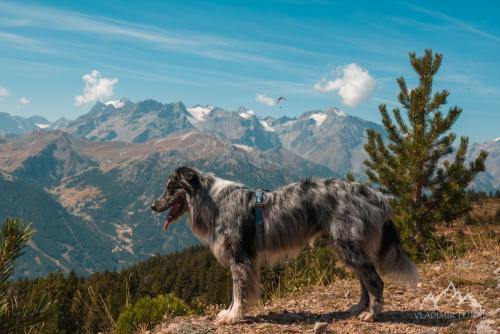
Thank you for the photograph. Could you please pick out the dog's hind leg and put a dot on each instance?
(364, 300)
(245, 291)
(372, 287)
(375, 287)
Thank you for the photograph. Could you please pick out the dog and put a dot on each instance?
(222, 215)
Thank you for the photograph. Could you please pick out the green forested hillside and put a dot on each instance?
(58, 232)
(192, 275)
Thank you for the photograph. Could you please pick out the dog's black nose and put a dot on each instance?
(153, 207)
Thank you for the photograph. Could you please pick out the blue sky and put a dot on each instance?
(316, 53)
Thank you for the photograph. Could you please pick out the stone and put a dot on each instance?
(320, 327)
(486, 327)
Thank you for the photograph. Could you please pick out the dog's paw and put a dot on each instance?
(227, 317)
(356, 309)
(222, 316)
(367, 316)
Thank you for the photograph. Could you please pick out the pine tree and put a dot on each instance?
(414, 165)
(16, 317)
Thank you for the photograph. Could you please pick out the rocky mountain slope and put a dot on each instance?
(489, 180)
(328, 137)
(241, 127)
(130, 122)
(19, 125)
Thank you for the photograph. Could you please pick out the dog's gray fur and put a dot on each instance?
(356, 218)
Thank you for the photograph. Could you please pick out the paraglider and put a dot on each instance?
(280, 99)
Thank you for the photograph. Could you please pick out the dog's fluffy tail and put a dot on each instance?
(392, 259)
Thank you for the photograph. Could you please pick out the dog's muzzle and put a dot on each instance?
(160, 206)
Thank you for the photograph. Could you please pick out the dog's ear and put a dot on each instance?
(190, 179)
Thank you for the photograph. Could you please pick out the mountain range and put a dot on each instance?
(86, 184)
(16, 125)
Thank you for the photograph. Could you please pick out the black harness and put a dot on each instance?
(259, 198)
(259, 219)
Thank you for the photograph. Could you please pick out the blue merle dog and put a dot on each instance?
(356, 218)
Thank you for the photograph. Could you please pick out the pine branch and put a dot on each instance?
(15, 234)
(389, 126)
(14, 318)
(404, 96)
(451, 118)
(403, 128)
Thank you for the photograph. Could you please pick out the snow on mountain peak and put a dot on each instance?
(496, 139)
(199, 112)
(319, 118)
(115, 103)
(267, 127)
(339, 113)
(247, 114)
(42, 126)
(244, 147)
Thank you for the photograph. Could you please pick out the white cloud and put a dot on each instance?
(23, 100)
(268, 101)
(4, 92)
(353, 84)
(97, 88)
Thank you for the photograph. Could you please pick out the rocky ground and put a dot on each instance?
(454, 296)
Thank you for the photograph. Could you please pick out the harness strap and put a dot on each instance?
(259, 198)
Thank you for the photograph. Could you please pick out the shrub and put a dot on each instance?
(496, 220)
(469, 220)
(315, 266)
(148, 312)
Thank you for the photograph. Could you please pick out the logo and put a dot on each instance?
(465, 306)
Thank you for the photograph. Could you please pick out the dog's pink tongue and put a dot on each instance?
(167, 222)
(170, 216)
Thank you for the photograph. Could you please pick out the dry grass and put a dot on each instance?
(99, 310)
(473, 274)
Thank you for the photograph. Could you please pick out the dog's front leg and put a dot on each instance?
(245, 291)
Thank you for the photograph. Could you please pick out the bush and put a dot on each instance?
(469, 220)
(441, 248)
(315, 266)
(149, 312)
(496, 220)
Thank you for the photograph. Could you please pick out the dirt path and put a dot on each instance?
(428, 308)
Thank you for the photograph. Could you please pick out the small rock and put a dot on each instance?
(320, 327)
(493, 313)
(485, 327)
(428, 332)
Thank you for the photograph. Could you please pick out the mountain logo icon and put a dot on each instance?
(452, 295)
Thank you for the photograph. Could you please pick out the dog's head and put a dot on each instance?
(183, 182)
